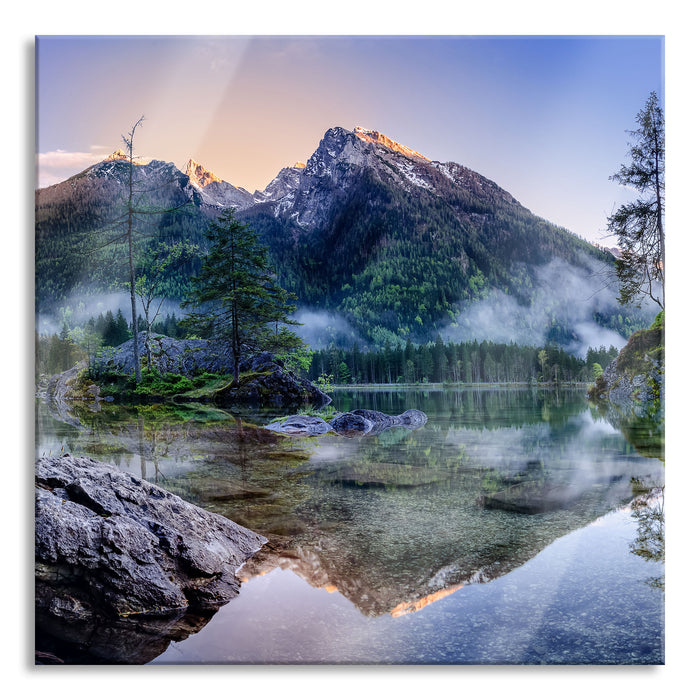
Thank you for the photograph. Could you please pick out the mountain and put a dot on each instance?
(76, 220)
(403, 246)
(378, 242)
(214, 191)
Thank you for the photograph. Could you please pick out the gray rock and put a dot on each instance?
(300, 425)
(412, 418)
(635, 395)
(271, 385)
(351, 424)
(186, 356)
(110, 544)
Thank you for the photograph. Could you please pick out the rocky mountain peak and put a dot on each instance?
(371, 136)
(117, 155)
(198, 175)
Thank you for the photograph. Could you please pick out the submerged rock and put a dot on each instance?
(110, 544)
(353, 424)
(412, 418)
(532, 497)
(300, 425)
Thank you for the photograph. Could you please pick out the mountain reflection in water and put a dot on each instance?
(395, 521)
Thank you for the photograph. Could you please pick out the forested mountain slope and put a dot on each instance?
(392, 244)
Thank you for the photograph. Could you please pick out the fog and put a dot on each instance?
(566, 293)
(563, 292)
(78, 309)
(321, 328)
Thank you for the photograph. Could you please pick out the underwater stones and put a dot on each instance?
(351, 424)
(300, 425)
(108, 543)
(531, 497)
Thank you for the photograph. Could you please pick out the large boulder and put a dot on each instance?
(351, 424)
(264, 379)
(412, 418)
(266, 383)
(110, 544)
(300, 425)
(179, 356)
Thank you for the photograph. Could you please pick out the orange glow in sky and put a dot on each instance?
(544, 117)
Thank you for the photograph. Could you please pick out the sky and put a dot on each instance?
(545, 117)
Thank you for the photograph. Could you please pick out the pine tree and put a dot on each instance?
(122, 328)
(639, 225)
(235, 297)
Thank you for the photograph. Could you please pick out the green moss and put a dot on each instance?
(659, 322)
(155, 387)
(642, 347)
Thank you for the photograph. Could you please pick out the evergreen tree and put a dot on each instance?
(122, 328)
(235, 296)
(639, 225)
(110, 334)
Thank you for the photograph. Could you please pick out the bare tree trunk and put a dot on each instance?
(142, 446)
(129, 142)
(134, 318)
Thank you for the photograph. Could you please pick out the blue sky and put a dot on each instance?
(544, 117)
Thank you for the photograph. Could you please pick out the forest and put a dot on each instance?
(401, 363)
(396, 265)
(455, 363)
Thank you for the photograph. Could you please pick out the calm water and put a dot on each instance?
(497, 533)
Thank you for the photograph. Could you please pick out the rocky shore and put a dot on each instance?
(634, 382)
(108, 544)
(265, 381)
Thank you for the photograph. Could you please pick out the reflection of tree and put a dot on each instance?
(650, 542)
(646, 432)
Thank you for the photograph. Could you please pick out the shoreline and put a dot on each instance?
(462, 385)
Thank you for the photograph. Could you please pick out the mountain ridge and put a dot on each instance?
(388, 242)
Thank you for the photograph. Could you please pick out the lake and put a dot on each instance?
(501, 532)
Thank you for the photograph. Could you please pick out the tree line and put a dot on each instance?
(236, 296)
(452, 362)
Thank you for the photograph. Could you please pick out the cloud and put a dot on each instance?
(321, 328)
(570, 295)
(57, 166)
(79, 308)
